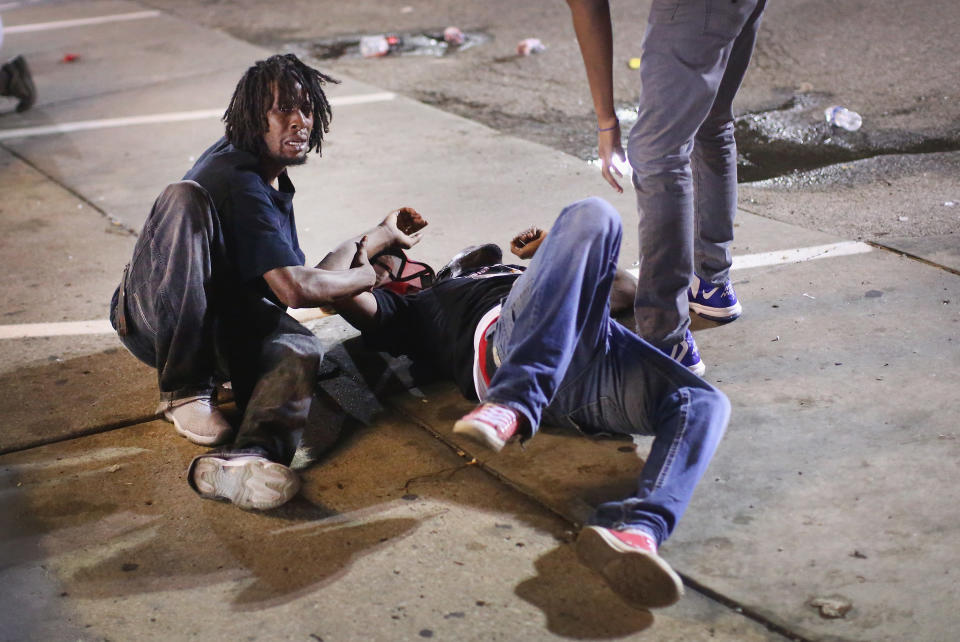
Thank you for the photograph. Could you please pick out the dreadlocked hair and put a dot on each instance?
(246, 117)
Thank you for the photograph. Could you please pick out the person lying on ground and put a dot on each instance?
(204, 297)
(539, 346)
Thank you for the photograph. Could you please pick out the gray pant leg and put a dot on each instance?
(274, 363)
(169, 291)
(715, 165)
(686, 51)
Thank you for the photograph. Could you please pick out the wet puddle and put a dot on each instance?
(795, 137)
(416, 43)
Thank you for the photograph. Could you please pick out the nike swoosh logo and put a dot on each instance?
(709, 293)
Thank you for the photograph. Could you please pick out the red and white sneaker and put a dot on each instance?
(491, 424)
(628, 561)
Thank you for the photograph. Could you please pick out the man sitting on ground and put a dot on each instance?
(540, 345)
(217, 263)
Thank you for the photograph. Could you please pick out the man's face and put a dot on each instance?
(289, 126)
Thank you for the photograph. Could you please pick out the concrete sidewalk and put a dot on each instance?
(837, 479)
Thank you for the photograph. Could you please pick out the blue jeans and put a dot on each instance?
(185, 315)
(683, 153)
(563, 357)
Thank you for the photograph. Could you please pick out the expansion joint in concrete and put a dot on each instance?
(77, 434)
(914, 257)
(688, 581)
(111, 219)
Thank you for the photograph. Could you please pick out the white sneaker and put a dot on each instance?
(247, 481)
(197, 419)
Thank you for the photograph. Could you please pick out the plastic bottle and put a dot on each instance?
(843, 117)
(453, 36)
(529, 46)
(373, 46)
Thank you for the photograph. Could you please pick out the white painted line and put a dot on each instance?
(798, 255)
(63, 329)
(80, 22)
(170, 117)
(81, 125)
(780, 257)
(795, 255)
(75, 328)
(360, 99)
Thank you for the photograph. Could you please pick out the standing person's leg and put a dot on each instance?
(274, 363)
(557, 313)
(715, 187)
(684, 58)
(163, 308)
(639, 390)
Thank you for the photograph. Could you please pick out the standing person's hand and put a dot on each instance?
(608, 147)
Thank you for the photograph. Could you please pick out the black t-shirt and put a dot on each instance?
(257, 220)
(435, 327)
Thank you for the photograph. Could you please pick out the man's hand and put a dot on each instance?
(409, 220)
(525, 243)
(362, 262)
(591, 22)
(608, 147)
(403, 226)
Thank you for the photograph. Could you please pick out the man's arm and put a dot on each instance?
(395, 230)
(297, 286)
(346, 271)
(591, 22)
(360, 311)
(622, 292)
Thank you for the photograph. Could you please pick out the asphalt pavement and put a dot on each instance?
(829, 512)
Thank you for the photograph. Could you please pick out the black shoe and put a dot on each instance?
(470, 260)
(20, 83)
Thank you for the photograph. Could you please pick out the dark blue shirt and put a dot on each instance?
(257, 220)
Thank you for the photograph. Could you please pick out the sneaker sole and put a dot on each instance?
(480, 433)
(699, 368)
(641, 579)
(719, 315)
(200, 440)
(246, 482)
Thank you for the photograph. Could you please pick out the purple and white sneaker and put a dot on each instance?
(714, 302)
(687, 354)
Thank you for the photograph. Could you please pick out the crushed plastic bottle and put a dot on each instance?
(373, 46)
(378, 45)
(529, 46)
(842, 117)
(453, 36)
